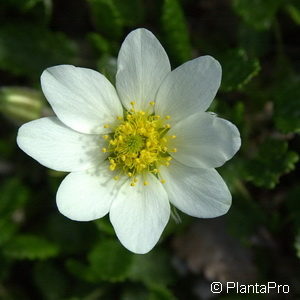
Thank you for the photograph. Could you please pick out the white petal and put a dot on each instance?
(58, 147)
(197, 192)
(203, 140)
(142, 66)
(139, 214)
(189, 89)
(83, 99)
(86, 196)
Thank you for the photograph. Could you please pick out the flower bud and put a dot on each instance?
(21, 104)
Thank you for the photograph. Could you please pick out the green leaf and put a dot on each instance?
(132, 11)
(160, 292)
(30, 247)
(152, 268)
(297, 244)
(257, 13)
(176, 31)
(7, 230)
(14, 195)
(271, 162)
(26, 5)
(236, 215)
(110, 261)
(293, 205)
(154, 292)
(21, 55)
(107, 17)
(99, 42)
(256, 43)
(72, 237)
(104, 225)
(287, 106)
(50, 280)
(238, 69)
(293, 9)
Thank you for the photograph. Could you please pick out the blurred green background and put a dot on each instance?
(44, 255)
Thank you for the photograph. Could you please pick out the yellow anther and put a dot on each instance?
(138, 144)
(163, 181)
(152, 103)
(169, 158)
(132, 103)
(173, 136)
(174, 150)
(116, 178)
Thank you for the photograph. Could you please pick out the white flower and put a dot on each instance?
(135, 149)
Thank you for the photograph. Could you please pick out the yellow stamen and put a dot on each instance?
(139, 144)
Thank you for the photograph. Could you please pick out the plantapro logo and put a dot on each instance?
(235, 287)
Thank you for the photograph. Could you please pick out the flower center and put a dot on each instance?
(138, 144)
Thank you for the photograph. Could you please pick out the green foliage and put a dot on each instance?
(13, 196)
(50, 280)
(107, 17)
(297, 244)
(44, 48)
(176, 31)
(258, 13)
(271, 162)
(28, 246)
(25, 5)
(109, 261)
(111, 16)
(152, 269)
(238, 69)
(293, 9)
(287, 103)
